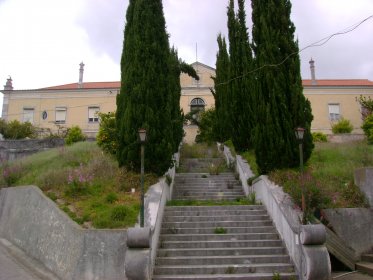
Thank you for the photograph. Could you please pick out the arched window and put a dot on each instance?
(197, 104)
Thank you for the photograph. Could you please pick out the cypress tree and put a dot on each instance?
(145, 98)
(242, 100)
(282, 105)
(221, 93)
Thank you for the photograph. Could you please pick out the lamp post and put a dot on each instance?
(142, 136)
(299, 133)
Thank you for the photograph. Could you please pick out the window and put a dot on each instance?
(197, 104)
(93, 114)
(60, 114)
(28, 115)
(334, 112)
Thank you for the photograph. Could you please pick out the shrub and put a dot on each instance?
(368, 128)
(342, 126)
(78, 181)
(111, 198)
(11, 174)
(17, 130)
(74, 134)
(319, 137)
(120, 212)
(107, 134)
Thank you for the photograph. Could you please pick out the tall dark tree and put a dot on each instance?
(146, 97)
(242, 81)
(282, 104)
(222, 125)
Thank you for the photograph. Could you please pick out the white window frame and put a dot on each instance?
(92, 114)
(59, 111)
(334, 110)
(28, 114)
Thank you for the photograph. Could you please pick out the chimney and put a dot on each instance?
(9, 84)
(81, 71)
(313, 76)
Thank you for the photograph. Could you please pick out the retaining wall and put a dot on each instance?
(33, 222)
(13, 149)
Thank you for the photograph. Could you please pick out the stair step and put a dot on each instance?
(366, 267)
(230, 218)
(218, 260)
(215, 224)
(367, 258)
(221, 251)
(223, 269)
(220, 244)
(213, 237)
(210, 230)
(256, 276)
(203, 213)
(215, 208)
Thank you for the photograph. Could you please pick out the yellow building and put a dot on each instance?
(78, 103)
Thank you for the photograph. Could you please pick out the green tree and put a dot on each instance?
(282, 105)
(205, 126)
(243, 115)
(74, 134)
(107, 133)
(150, 71)
(222, 124)
(17, 130)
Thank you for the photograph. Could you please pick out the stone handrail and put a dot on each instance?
(305, 243)
(142, 243)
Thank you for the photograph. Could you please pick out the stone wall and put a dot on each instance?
(33, 222)
(345, 138)
(13, 149)
(354, 226)
(363, 178)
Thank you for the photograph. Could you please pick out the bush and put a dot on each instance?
(17, 130)
(368, 128)
(107, 134)
(319, 137)
(206, 126)
(342, 126)
(120, 212)
(74, 134)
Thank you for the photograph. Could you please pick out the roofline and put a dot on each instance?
(204, 65)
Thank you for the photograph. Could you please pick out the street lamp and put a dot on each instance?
(299, 133)
(142, 136)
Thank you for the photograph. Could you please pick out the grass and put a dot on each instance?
(86, 183)
(199, 150)
(328, 178)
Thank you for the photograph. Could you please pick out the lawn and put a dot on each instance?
(328, 178)
(84, 182)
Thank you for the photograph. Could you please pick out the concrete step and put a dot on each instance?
(255, 276)
(215, 208)
(366, 267)
(215, 224)
(219, 213)
(200, 187)
(191, 175)
(210, 197)
(234, 218)
(367, 258)
(214, 237)
(220, 244)
(208, 191)
(210, 230)
(178, 252)
(223, 269)
(218, 260)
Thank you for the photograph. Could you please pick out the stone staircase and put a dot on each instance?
(218, 242)
(366, 264)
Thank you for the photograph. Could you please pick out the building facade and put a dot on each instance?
(78, 103)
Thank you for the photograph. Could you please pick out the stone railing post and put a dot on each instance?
(138, 255)
(315, 263)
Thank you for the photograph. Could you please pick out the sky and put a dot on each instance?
(42, 42)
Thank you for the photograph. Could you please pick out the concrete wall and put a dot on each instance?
(354, 226)
(13, 149)
(345, 138)
(32, 222)
(363, 178)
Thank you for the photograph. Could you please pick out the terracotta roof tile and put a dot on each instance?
(89, 85)
(346, 82)
(101, 85)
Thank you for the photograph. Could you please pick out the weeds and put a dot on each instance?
(220, 230)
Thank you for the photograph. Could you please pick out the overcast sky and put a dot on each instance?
(42, 42)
